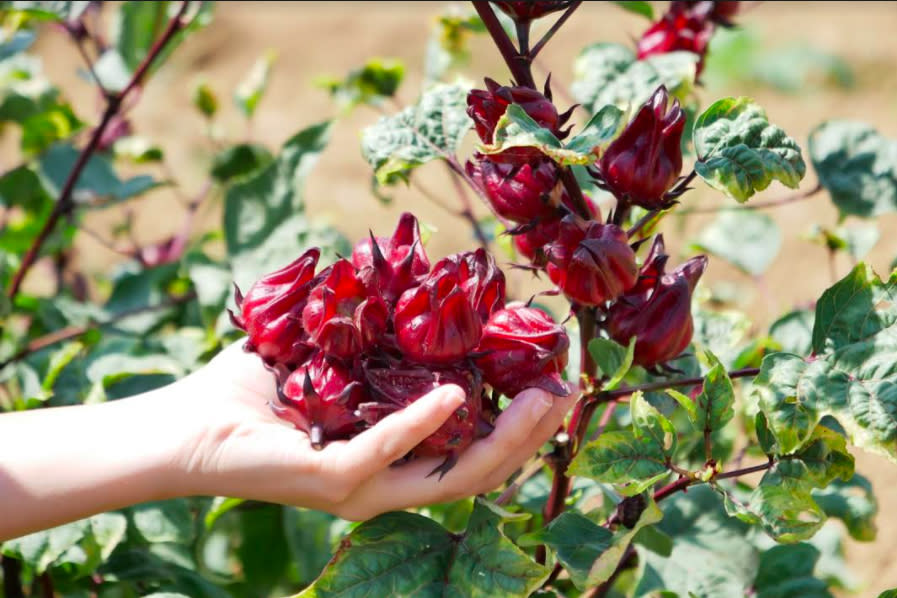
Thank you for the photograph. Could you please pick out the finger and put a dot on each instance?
(546, 429)
(394, 436)
(409, 484)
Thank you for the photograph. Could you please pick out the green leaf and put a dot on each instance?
(853, 377)
(648, 422)
(613, 359)
(794, 331)
(712, 557)
(787, 571)
(98, 183)
(598, 133)
(854, 503)
(59, 359)
(517, 129)
(97, 535)
(239, 161)
(51, 10)
(14, 43)
(403, 554)
(888, 594)
(576, 540)
(252, 88)
(589, 552)
(432, 128)
(821, 460)
(138, 150)
(635, 6)
(787, 513)
(609, 74)
(220, 505)
(205, 100)
(748, 239)
(164, 521)
(263, 551)
(369, 84)
(112, 368)
(740, 153)
(620, 457)
(42, 130)
(715, 404)
(447, 46)
(265, 225)
(857, 166)
(311, 536)
(135, 26)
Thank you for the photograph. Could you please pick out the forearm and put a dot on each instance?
(62, 464)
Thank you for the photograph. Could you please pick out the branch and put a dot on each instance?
(70, 332)
(467, 209)
(64, 203)
(607, 395)
(554, 28)
(757, 205)
(517, 63)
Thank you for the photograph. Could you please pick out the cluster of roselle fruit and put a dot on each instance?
(366, 336)
(592, 262)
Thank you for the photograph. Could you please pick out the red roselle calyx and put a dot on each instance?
(686, 26)
(479, 277)
(271, 312)
(644, 162)
(523, 347)
(435, 322)
(530, 242)
(399, 385)
(522, 11)
(321, 398)
(487, 106)
(340, 317)
(657, 311)
(521, 193)
(592, 263)
(390, 265)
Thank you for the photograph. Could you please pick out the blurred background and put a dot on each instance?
(804, 62)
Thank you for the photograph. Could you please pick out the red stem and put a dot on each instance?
(664, 384)
(554, 29)
(113, 104)
(517, 63)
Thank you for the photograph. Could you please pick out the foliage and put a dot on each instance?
(655, 500)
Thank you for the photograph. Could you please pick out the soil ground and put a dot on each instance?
(329, 38)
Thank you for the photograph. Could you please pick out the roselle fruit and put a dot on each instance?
(487, 106)
(644, 162)
(591, 262)
(682, 28)
(399, 384)
(523, 347)
(390, 265)
(435, 322)
(658, 309)
(521, 193)
(271, 312)
(522, 11)
(322, 399)
(479, 277)
(531, 241)
(340, 317)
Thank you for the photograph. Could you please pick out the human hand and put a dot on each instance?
(242, 449)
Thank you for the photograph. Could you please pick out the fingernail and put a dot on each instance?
(454, 396)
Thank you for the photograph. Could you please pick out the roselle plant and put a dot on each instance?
(702, 458)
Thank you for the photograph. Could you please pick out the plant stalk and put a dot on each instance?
(114, 102)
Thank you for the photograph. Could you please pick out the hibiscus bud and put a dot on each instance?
(435, 322)
(678, 30)
(643, 163)
(487, 106)
(523, 11)
(523, 347)
(591, 262)
(531, 241)
(401, 384)
(521, 193)
(390, 265)
(340, 317)
(271, 312)
(321, 398)
(658, 313)
(720, 12)
(479, 277)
